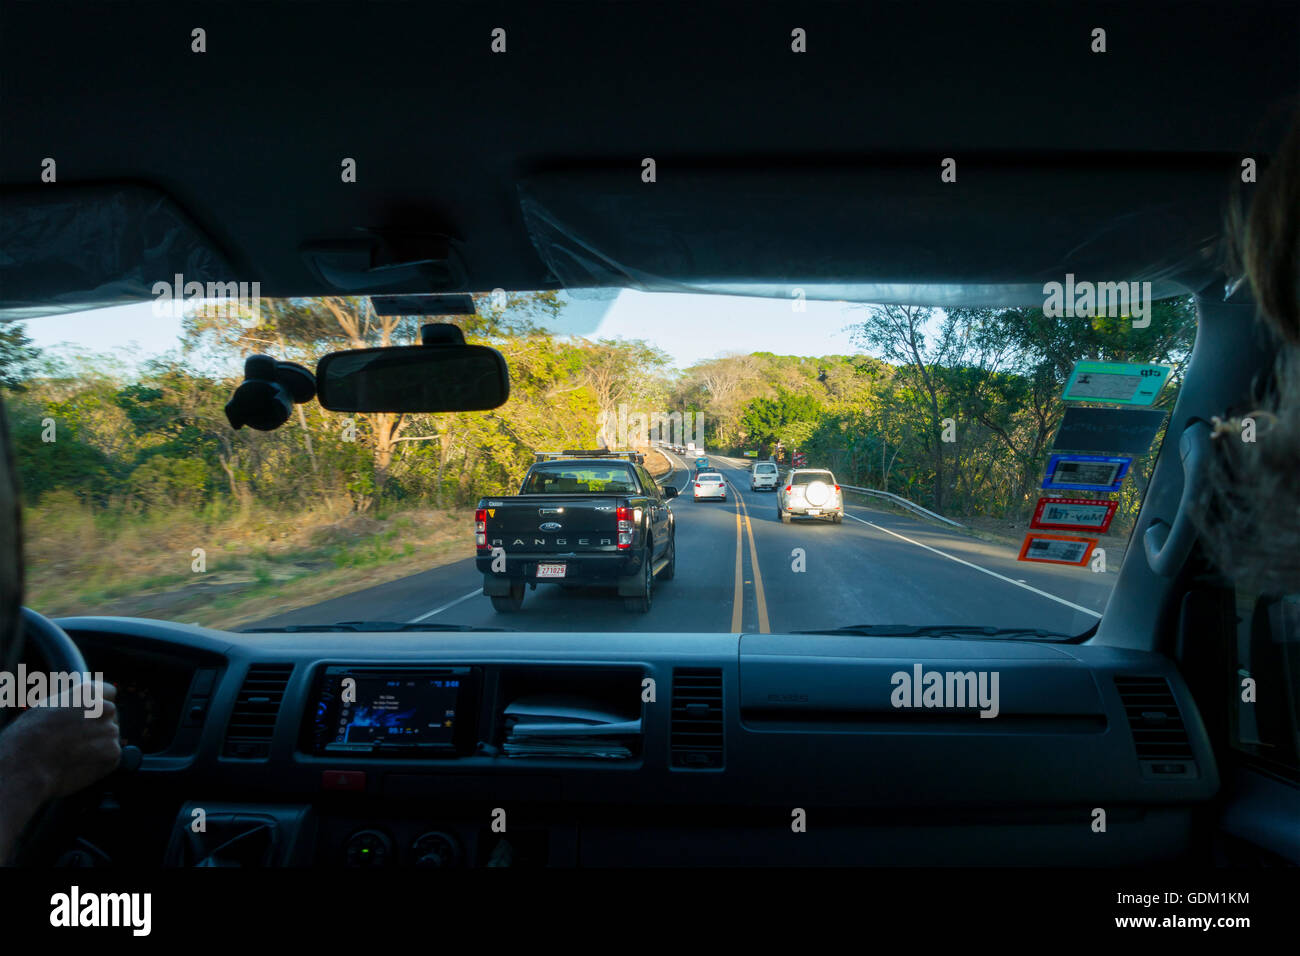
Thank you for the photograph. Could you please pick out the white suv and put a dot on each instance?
(812, 493)
(763, 475)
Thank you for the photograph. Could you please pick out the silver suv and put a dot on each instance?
(812, 493)
(762, 475)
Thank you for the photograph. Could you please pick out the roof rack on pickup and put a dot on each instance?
(634, 456)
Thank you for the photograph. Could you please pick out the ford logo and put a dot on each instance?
(550, 526)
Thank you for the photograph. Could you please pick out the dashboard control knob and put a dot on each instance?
(368, 849)
(436, 849)
(131, 758)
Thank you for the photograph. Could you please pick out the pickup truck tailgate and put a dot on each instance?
(553, 524)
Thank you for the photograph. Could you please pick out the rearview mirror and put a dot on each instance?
(670, 491)
(416, 378)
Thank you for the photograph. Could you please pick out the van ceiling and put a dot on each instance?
(248, 137)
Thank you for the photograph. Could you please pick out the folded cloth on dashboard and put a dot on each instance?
(565, 725)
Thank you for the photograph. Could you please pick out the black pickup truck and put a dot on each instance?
(595, 518)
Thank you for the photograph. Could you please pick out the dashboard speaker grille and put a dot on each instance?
(252, 720)
(695, 737)
(1153, 717)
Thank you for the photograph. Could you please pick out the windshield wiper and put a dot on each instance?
(382, 626)
(943, 630)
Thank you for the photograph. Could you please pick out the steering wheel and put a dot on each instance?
(58, 653)
(52, 643)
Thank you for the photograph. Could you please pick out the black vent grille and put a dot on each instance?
(695, 737)
(252, 720)
(1158, 731)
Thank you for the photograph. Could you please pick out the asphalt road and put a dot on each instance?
(737, 570)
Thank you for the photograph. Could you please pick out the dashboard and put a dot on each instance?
(490, 749)
(152, 687)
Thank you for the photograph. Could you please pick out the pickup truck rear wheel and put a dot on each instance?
(780, 513)
(509, 603)
(640, 603)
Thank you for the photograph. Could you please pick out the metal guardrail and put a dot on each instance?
(909, 505)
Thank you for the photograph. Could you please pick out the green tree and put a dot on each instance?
(18, 356)
(788, 415)
(908, 337)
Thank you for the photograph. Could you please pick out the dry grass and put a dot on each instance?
(257, 562)
(656, 463)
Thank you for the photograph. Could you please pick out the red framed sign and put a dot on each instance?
(1057, 548)
(1074, 514)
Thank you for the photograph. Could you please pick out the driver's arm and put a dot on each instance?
(50, 752)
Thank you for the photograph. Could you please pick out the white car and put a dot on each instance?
(764, 474)
(811, 493)
(710, 484)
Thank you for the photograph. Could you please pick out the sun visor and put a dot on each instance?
(889, 234)
(70, 248)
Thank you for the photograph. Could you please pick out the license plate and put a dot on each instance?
(550, 570)
(814, 511)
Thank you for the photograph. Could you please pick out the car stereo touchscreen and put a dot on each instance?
(395, 711)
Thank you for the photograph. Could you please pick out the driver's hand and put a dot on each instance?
(61, 749)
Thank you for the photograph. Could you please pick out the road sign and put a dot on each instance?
(1117, 431)
(1086, 472)
(1074, 514)
(1117, 383)
(1057, 548)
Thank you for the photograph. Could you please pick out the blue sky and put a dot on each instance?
(688, 327)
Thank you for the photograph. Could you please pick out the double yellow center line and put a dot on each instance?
(738, 598)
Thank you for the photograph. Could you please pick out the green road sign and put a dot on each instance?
(1117, 383)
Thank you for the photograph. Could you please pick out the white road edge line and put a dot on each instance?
(1000, 577)
(438, 610)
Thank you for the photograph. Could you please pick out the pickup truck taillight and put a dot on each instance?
(625, 527)
(480, 528)
(789, 488)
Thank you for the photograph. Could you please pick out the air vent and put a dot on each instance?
(695, 737)
(1158, 731)
(252, 721)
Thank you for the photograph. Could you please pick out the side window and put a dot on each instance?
(1264, 714)
(648, 484)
